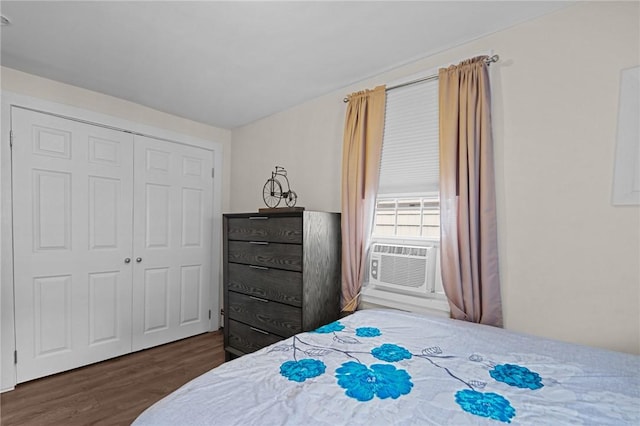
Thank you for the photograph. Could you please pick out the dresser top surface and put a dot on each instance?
(277, 214)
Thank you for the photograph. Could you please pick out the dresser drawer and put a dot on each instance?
(273, 284)
(263, 228)
(273, 317)
(271, 255)
(249, 339)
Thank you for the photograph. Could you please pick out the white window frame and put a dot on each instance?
(423, 199)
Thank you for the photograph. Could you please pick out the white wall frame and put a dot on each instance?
(9, 99)
(626, 179)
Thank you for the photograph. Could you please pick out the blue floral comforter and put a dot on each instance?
(383, 367)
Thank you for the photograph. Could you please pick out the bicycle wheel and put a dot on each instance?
(272, 193)
(291, 199)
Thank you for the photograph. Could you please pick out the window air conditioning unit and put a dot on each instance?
(402, 268)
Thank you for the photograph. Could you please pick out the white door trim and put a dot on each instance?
(11, 99)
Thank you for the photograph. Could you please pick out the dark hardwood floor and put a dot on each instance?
(112, 392)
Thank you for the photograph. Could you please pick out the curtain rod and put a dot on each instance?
(488, 61)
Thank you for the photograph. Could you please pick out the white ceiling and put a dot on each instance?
(228, 64)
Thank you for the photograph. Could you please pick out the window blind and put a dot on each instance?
(410, 148)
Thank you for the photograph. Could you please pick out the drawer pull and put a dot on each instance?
(262, 268)
(259, 331)
(259, 299)
(258, 217)
(262, 243)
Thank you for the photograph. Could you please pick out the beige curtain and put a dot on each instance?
(469, 257)
(361, 153)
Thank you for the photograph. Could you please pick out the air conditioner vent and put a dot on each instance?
(403, 271)
(400, 250)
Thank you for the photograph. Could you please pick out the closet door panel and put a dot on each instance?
(156, 295)
(72, 201)
(173, 202)
(103, 307)
(157, 214)
(104, 200)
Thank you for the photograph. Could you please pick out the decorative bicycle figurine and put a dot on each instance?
(272, 192)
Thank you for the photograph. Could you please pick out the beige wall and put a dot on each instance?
(570, 261)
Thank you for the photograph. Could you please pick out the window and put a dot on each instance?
(407, 214)
(408, 217)
(408, 199)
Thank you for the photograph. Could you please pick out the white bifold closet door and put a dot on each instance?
(112, 242)
(172, 241)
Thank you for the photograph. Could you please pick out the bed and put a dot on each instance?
(385, 367)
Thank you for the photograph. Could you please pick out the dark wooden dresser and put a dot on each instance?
(281, 276)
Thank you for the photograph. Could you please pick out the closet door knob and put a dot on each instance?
(127, 260)
(138, 259)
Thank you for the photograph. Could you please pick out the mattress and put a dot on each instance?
(385, 367)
